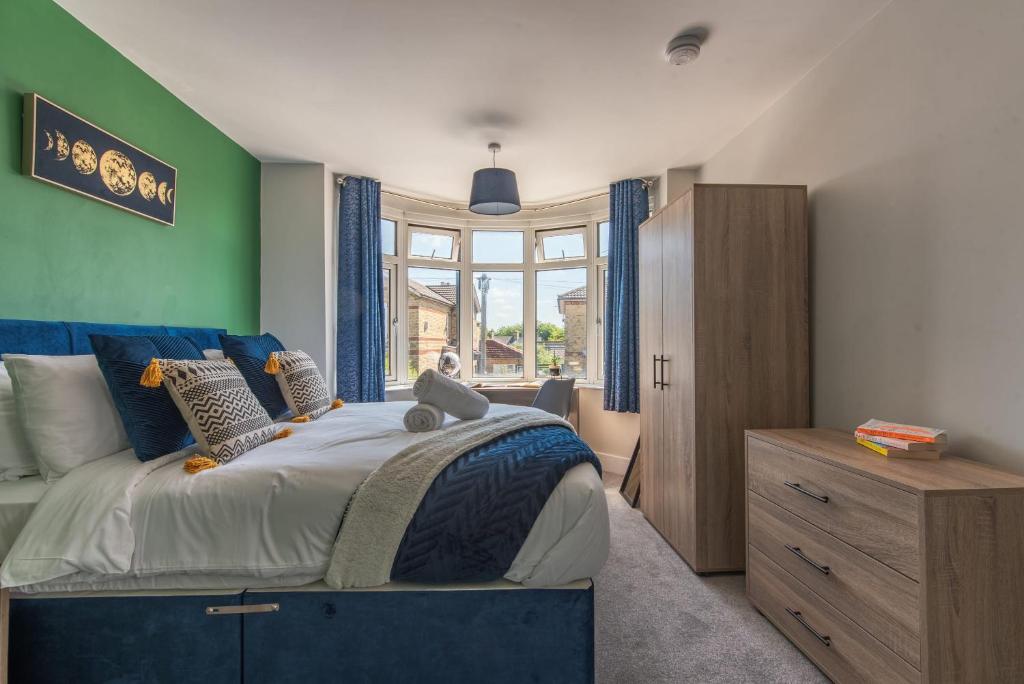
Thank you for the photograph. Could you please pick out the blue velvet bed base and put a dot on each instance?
(497, 635)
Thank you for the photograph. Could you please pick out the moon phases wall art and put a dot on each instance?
(65, 150)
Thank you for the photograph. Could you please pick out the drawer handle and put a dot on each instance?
(823, 638)
(795, 550)
(243, 610)
(796, 485)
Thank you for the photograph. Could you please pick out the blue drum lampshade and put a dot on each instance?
(494, 192)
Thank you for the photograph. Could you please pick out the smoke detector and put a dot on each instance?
(683, 49)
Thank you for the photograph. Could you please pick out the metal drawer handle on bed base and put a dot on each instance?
(236, 610)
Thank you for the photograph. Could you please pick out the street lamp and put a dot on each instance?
(484, 285)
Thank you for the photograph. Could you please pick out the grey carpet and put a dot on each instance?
(659, 622)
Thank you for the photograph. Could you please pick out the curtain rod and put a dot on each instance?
(647, 183)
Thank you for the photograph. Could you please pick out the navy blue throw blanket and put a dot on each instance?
(479, 510)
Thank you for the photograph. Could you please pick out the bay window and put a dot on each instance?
(520, 298)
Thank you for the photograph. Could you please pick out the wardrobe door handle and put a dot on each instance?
(823, 638)
(796, 486)
(662, 360)
(795, 550)
(655, 370)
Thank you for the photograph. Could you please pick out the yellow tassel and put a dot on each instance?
(287, 432)
(337, 404)
(153, 376)
(273, 365)
(230, 360)
(199, 463)
(300, 419)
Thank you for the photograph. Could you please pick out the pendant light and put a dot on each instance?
(494, 190)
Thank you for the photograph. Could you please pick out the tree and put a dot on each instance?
(508, 331)
(549, 332)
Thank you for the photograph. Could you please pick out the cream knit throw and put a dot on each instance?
(383, 506)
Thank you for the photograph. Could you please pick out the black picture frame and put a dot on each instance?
(63, 149)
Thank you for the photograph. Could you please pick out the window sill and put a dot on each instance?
(521, 384)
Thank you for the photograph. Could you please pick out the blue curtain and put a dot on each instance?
(628, 209)
(360, 361)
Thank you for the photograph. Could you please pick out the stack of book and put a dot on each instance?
(896, 440)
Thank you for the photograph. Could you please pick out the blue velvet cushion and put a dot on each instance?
(250, 353)
(154, 424)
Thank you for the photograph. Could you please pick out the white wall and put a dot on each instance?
(297, 257)
(911, 139)
(610, 434)
(674, 183)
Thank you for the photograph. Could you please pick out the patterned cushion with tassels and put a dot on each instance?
(302, 386)
(249, 353)
(222, 413)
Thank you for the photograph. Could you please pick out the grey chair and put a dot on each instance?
(555, 396)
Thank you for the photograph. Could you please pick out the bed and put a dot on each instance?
(122, 569)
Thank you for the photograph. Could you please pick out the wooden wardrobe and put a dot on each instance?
(723, 348)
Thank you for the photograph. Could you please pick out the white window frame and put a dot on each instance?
(392, 256)
(566, 266)
(392, 263)
(597, 243)
(491, 268)
(600, 268)
(439, 265)
(407, 220)
(601, 274)
(392, 268)
(522, 236)
(455, 235)
(538, 244)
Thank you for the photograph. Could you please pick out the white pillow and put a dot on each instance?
(213, 354)
(15, 454)
(66, 411)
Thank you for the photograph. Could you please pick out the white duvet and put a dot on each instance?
(269, 518)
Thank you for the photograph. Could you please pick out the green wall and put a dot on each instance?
(67, 257)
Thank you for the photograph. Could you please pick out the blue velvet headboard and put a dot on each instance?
(60, 337)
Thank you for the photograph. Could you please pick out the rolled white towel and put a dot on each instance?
(450, 396)
(423, 418)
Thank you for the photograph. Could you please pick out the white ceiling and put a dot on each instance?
(577, 91)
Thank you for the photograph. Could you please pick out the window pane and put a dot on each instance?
(498, 324)
(433, 321)
(388, 230)
(602, 238)
(494, 247)
(387, 323)
(430, 245)
(562, 246)
(562, 321)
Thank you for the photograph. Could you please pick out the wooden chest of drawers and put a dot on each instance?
(886, 570)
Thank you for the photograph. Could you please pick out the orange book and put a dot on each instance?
(912, 433)
(905, 444)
